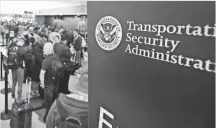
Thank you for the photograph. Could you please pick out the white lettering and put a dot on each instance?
(102, 120)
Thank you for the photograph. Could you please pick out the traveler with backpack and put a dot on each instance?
(16, 62)
(46, 78)
(35, 65)
(71, 110)
(77, 46)
(62, 51)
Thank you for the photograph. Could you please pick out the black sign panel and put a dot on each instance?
(151, 64)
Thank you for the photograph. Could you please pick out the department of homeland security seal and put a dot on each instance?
(108, 33)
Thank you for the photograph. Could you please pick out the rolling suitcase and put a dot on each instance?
(41, 92)
(20, 118)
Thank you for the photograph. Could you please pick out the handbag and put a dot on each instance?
(73, 80)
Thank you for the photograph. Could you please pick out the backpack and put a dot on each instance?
(37, 51)
(57, 70)
(80, 120)
(13, 61)
(60, 67)
(31, 59)
(83, 43)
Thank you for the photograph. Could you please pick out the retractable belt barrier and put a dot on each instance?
(34, 109)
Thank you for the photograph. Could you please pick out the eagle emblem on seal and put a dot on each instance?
(108, 32)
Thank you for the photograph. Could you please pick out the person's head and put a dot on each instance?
(56, 39)
(20, 41)
(26, 36)
(64, 39)
(83, 17)
(45, 38)
(75, 32)
(48, 48)
(52, 29)
(55, 30)
(35, 30)
(32, 40)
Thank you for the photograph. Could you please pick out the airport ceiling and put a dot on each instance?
(72, 2)
(19, 7)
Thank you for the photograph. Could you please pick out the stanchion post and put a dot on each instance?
(4, 66)
(6, 91)
(1, 79)
(5, 115)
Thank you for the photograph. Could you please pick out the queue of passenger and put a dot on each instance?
(56, 60)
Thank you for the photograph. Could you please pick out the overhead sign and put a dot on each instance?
(152, 64)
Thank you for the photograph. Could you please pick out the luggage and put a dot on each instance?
(19, 118)
(83, 43)
(41, 92)
(13, 59)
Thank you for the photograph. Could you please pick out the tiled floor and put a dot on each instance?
(5, 124)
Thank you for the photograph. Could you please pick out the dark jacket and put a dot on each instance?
(62, 51)
(69, 37)
(72, 106)
(37, 51)
(47, 66)
(78, 43)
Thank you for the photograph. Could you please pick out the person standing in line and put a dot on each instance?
(77, 46)
(35, 70)
(7, 32)
(46, 78)
(18, 73)
(63, 52)
(36, 34)
(70, 105)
